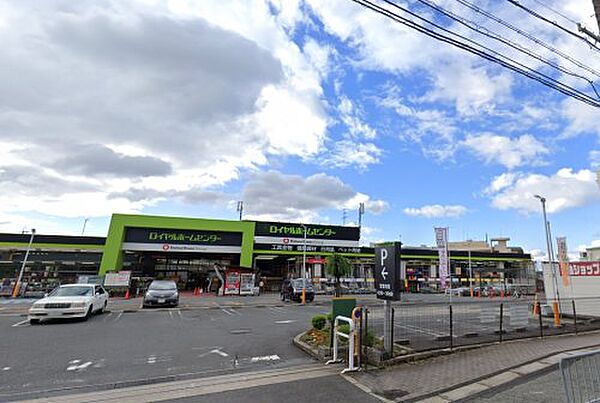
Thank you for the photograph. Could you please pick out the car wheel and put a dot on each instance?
(88, 313)
(34, 321)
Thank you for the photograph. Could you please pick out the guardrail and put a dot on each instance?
(350, 337)
(581, 377)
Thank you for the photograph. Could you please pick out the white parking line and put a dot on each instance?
(6, 369)
(171, 314)
(179, 313)
(119, 316)
(226, 311)
(285, 321)
(273, 357)
(75, 366)
(108, 315)
(21, 323)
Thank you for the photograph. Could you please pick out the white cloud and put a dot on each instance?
(273, 195)
(583, 119)
(504, 150)
(351, 117)
(436, 210)
(501, 182)
(347, 153)
(563, 190)
(160, 96)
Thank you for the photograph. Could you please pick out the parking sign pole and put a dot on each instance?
(20, 278)
(387, 326)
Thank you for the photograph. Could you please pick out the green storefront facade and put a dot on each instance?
(190, 248)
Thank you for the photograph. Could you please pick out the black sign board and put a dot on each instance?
(290, 230)
(387, 271)
(182, 236)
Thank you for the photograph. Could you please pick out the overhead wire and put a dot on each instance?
(503, 60)
(540, 74)
(554, 23)
(556, 12)
(484, 31)
(529, 36)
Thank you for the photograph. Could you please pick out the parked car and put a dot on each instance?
(161, 293)
(70, 301)
(291, 289)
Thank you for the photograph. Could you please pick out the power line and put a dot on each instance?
(527, 35)
(553, 23)
(508, 63)
(556, 12)
(484, 31)
(539, 74)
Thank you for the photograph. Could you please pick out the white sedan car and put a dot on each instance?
(70, 301)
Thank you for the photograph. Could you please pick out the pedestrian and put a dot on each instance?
(218, 282)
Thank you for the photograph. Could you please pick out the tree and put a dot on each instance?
(338, 266)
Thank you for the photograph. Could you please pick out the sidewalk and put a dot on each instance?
(438, 377)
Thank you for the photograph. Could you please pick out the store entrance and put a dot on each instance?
(188, 270)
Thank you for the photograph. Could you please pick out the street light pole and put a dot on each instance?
(548, 246)
(470, 272)
(18, 283)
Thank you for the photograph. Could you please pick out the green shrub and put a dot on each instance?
(319, 321)
(329, 318)
(370, 339)
(345, 328)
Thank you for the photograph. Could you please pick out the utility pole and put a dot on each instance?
(18, 283)
(240, 208)
(343, 216)
(361, 212)
(84, 224)
(597, 11)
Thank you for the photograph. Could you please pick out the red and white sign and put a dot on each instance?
(313, 260)
(584, 269)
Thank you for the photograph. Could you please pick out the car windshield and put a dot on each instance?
(71, 292)
(298, 283)
(163, 285)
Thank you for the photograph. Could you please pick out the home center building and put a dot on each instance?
(189, 250)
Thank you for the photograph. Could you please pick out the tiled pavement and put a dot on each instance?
(415, 381)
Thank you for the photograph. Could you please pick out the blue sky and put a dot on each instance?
(303, 109)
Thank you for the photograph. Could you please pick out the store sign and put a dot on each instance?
(584, 269)
(181, 237)
(290, 230)
(120, 279)
(563, 259)
(310, 248)
(387, 271)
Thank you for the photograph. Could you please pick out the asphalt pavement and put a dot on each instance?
(120, 348)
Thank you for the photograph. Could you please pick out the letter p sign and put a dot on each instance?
(384, 255)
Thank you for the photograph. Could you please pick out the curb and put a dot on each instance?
(305, 347)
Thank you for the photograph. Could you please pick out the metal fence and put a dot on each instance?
(466, 321)
(581, 377)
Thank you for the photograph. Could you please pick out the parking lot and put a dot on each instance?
(119, 347)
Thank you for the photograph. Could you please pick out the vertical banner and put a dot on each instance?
(563, 259)
(441, 239)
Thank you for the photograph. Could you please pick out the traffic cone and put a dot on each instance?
(501, 293)
(196, 291)
(127, 294)
(536, 305)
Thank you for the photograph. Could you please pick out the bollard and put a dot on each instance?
(451, 329)
(501, 317)
(127, 294)
(303, 295)
(540, 320)
(574, 315)
(556, 311)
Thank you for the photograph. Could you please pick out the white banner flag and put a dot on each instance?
(441, 239)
